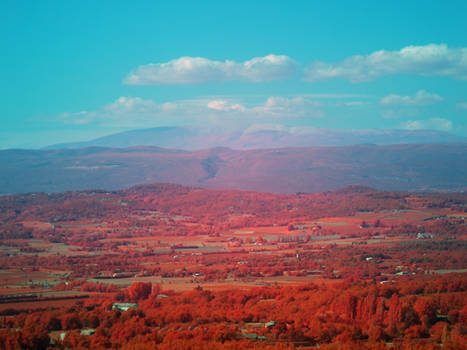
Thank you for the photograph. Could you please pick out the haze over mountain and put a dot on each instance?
(262, 136)
(395, 167)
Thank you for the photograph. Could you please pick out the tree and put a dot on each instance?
(139, 291)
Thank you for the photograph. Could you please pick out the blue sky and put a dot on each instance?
(75, 70)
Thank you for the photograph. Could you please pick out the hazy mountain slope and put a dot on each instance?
(395, 167)
(254, 138)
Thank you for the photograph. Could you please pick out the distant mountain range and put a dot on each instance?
(262, 137)
(405, 167)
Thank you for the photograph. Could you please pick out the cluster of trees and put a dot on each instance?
(428, 313)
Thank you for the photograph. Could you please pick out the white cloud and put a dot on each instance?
(462, 106)
(196, 70)
(273, 107)
(221, 105)
(133, 104)
(421, 98)
(125, 111)
(428, 60)
(290, 107)
(432, 123)
(271, 67)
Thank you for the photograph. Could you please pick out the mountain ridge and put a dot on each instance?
(432, 167)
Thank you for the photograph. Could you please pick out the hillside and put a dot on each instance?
(395, 167)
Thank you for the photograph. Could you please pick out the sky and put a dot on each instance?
(77, 70)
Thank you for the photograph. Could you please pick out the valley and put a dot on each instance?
(77, 254)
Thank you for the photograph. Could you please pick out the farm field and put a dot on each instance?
(372, 269)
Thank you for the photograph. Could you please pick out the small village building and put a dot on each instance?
(124, 306)
(89, 331)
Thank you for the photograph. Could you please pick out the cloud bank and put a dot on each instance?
(232, 113)
(197, 70)
(421, 98)
(432, 123)
(138, 112)
(428, 60)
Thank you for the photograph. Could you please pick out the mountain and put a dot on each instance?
(262, 136)
(430, 167)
